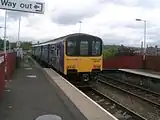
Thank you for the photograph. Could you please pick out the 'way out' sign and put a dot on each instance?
(24, 6)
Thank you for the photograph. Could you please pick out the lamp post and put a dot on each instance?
(5, 31)
(144, 52)
(1, 27)
(80, 22)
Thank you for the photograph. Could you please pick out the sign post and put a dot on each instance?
(19, 28)
(21, 6)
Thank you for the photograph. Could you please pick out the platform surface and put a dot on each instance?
(30, 95)
(147, 73)
(90, 109)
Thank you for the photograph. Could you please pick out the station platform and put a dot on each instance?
(143, 72)
(34, 91)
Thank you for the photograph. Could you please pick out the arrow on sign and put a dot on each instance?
(39, 5)
(36, 6)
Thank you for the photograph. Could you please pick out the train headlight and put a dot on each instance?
(96, 66)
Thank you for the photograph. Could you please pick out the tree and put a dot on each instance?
(26, 45)
(123, 51)
(109, 52)
(2, 44)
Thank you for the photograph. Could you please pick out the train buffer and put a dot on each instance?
(35, 91)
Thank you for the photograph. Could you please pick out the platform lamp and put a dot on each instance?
(80, 22)
(144, 52)
(1, 27)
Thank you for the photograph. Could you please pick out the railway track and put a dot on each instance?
(144, 94)
(115, 108)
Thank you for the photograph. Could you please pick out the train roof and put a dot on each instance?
(61, 38)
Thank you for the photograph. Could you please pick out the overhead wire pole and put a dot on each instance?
(5, 35)
(18, 40)
(145, 37)
(5, 31)
(19, 28)
(0, 29)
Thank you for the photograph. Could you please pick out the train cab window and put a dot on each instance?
(71, 47)
(96, 47)
(84, 47)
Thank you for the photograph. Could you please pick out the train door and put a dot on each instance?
(48, 53)
(58, 56)
(53, 55)
(41, 52)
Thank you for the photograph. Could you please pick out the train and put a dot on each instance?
(77, 54)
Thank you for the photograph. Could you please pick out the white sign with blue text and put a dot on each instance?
(23, 6)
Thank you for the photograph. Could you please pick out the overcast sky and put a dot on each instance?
(112, 20)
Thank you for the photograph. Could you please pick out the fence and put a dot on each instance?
(2, 73)
(7, 67)
(128, 62)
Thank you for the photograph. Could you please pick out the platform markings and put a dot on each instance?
(49, 117)
(26, 65)
(10, 107)
(31, 76)
(27, 61)
(7, 90)
(9, 81)
(28, 68)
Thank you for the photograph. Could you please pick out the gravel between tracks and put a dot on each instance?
(131, 102)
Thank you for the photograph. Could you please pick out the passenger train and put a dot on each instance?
(74, 54)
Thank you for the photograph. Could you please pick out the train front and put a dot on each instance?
(83, 56)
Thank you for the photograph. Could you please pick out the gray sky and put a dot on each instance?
(112, 20)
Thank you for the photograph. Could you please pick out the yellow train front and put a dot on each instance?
(78, 55)
(83, 56)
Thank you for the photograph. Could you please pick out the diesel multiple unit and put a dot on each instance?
(75, 54)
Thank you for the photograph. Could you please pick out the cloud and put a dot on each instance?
(71, 18)
(122, 38)
(14, 39)
(147, 4)
(76, 11)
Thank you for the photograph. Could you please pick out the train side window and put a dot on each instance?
(53, 47)
(83, 47)
(45, 48)
(71, 47)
